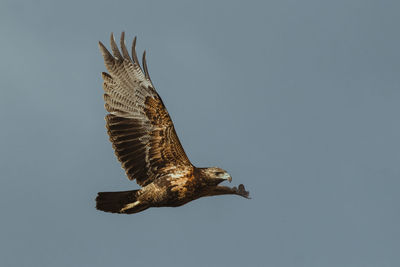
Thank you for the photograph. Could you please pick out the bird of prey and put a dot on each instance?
(145, 142)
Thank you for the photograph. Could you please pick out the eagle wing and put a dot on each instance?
(139, 126)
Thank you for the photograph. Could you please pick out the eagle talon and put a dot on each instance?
(242, 191)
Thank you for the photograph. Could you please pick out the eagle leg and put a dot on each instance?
(225, 190)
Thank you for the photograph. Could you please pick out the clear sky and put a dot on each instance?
(298, 100)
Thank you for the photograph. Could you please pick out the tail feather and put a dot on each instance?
(117, 202)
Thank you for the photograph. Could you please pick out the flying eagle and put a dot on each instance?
(145, 142)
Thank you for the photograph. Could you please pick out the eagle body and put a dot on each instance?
(145, 142)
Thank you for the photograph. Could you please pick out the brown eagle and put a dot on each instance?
(145, 142)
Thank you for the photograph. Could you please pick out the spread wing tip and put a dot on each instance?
(108, 58)
(146, 70)
(114, 47)
(116, 54)
(125, 52)
(134, 54)
(102, 47)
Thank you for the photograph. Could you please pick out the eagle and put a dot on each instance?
(145, 142)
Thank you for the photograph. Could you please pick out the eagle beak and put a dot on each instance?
(227, 177)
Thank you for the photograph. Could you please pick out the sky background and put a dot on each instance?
(298, 100)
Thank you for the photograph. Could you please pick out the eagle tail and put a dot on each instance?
(119, 202)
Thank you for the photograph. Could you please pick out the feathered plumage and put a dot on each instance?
(145, 142)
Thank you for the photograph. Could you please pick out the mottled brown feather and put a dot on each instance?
(123, 47)
(139, 126)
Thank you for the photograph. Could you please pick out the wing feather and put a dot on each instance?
(139, 126)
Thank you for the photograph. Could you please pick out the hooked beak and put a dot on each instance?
(227, 177)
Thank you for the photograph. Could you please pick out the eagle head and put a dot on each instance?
(215, 175)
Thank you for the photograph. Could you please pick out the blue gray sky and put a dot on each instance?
(298, 100)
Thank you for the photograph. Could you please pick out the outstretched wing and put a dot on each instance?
(139, 126)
